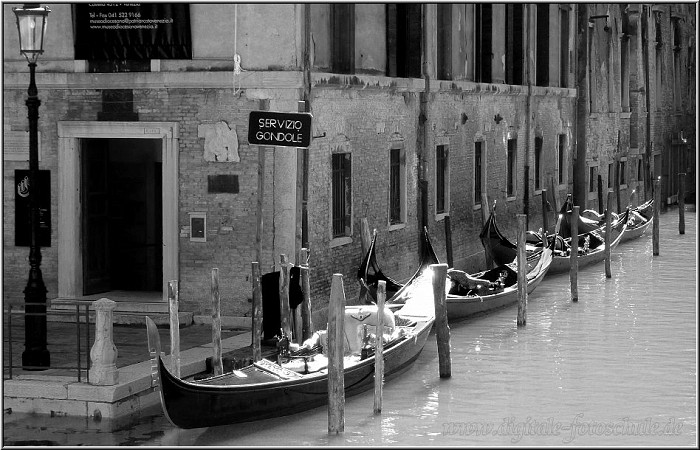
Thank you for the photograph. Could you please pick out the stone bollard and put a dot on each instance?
(103, 354)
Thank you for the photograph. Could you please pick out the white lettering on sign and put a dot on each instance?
(15, 145)
(279, 137)
(281, 124)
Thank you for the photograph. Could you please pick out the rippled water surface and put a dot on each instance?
(616, 368)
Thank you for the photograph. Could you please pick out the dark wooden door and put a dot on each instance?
(95, 216)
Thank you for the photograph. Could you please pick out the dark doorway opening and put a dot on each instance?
(122, 232)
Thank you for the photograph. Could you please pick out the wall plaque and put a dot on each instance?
(23, 231)
(222, 184)
(15, 145)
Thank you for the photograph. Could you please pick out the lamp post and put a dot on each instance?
(31, 24)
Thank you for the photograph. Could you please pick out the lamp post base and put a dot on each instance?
(36, 359)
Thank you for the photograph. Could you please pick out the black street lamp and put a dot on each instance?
(31, 23)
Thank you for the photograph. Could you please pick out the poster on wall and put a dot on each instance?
(132, 31)
(23, 230)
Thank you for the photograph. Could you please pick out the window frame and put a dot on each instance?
(511, 169)
(439, 215)
(346, 238)
(562, 173)
(538, 170)
(483, 174)
(401, 221)
(593, 171)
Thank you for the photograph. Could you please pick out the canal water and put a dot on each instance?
(617, 368)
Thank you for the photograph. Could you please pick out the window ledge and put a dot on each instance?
(476, 207)
(623, 186)
(397, 226)
(337, 242)
(538, 191)
(441, 216)
(511, 199)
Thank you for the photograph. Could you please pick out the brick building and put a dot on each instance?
(418, 110)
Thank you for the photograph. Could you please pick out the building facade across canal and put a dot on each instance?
(417, 111)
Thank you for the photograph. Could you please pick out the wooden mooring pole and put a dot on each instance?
(608, 237)
(545, 223)
(681, 203)
(174, 307)
(442, 329)
(284, 297)
(257, 312)
(655, 224)
(448, 240)
(307, 325)
(573, 270)
(217, 361)
(336, 338)
(379, 348)
(522, 271)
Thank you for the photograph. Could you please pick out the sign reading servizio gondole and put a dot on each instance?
(132, 31)
(279, 129)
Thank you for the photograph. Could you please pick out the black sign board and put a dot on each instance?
(132, 31)
(222, 184)
(23, 229)
(279, 129)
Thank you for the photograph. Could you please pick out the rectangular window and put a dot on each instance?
(659, 67)
(538, 163)
(444, 41)
(514, 43)
(342, 194)
(676, 64)
(442, 180)
(483, 42)
(343, 41)
(564, 46)
(625, 60)
(479, 178)
(640, 169)
(562, 159)
(397, 186)
(611, 174)
(512, 146)
(622, 167)
(592, 178)
(404, 33)
(542, 42)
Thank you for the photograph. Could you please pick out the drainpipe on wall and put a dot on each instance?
(422, 138)
(303, 106)
(646, 40)
(579, 172)
(528, 109)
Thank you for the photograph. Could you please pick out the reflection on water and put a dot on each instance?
(616, 368)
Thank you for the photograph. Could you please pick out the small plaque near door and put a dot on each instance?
(198, 227)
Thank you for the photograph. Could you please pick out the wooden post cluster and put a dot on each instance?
(608, 237)
(336, 338)
(379, 348)
(681, 203)
(655, 224)
(217, 360)
(174, 307)
(522, 271)
(442, 329)
(257, 311)
(573, 270)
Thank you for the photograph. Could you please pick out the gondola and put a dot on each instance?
(499, 290)
(639, 219)
(591, 244)
(299, 380)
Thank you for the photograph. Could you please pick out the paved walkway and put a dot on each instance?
(130, 340)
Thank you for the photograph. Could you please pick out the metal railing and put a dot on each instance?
(82, 312)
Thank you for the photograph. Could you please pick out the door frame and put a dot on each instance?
(70, 251)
